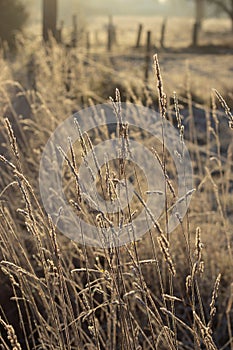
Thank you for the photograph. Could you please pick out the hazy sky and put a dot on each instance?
(143, 7)
(114, 7)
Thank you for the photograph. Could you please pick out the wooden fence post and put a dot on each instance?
(196, 31)
(139, 35)
(109, 40)
(111, 34)
(88, 44)
(148, 55)
(74, 35)
(49, 19)
(163, 31)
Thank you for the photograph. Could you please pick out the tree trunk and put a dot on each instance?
(200, 11)
(49, 19)
(232, 16)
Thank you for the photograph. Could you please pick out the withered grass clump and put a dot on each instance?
(166, 291)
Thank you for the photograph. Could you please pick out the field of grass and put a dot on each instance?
(163, 291)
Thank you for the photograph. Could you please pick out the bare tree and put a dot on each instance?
(225, 6)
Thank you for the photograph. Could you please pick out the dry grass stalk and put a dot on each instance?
(213, 301)
(12, 139)
(225, 107)
(198, 244)
(164, 246)
(178, 117)
(205, 333)
(170, 186)
(11, 335)
(162, 95)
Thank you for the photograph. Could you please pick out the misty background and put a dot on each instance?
(114, 7)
